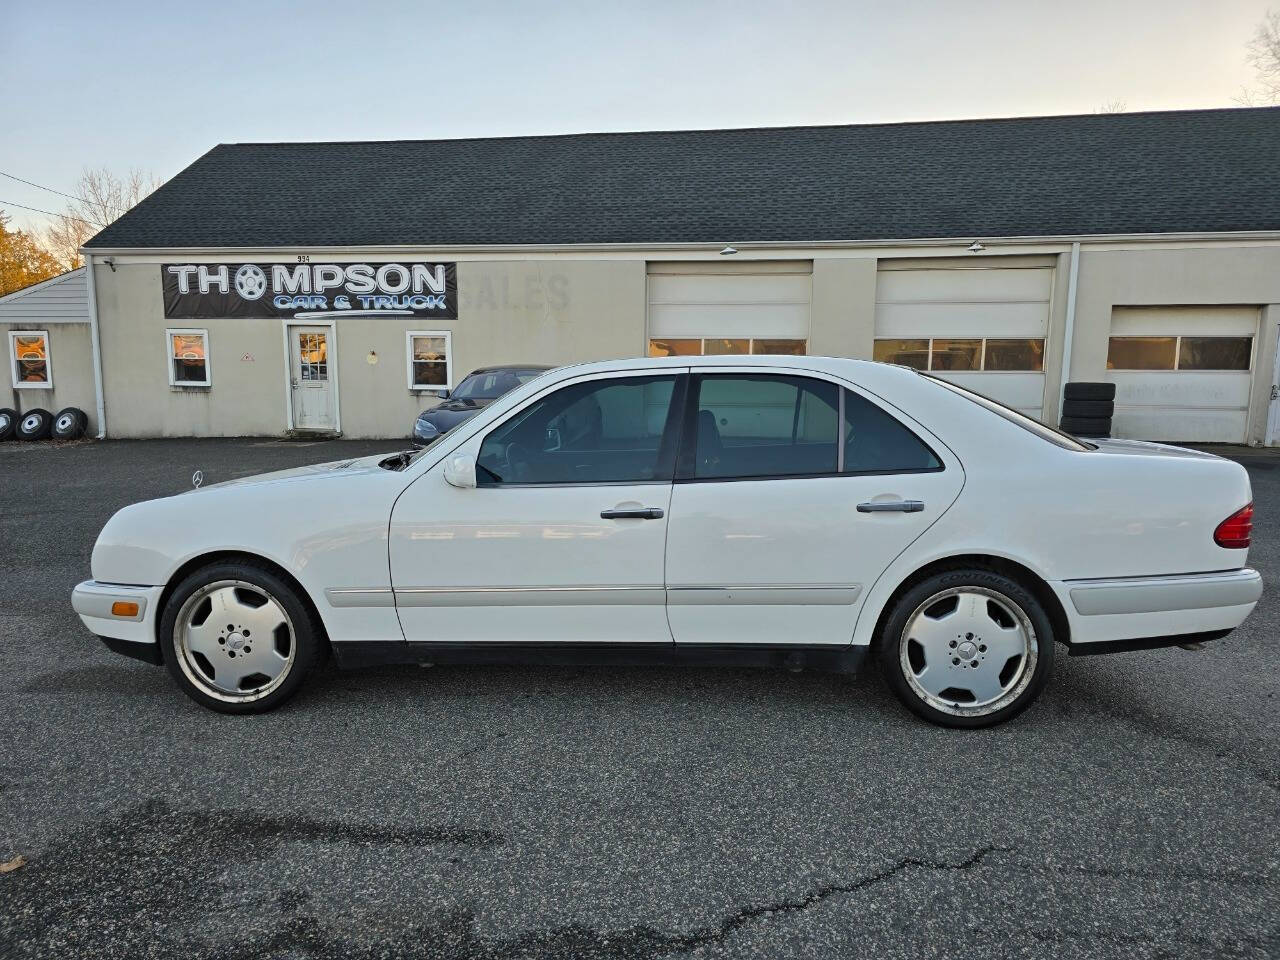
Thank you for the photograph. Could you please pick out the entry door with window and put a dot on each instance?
(311, 379)
(792, 496)
(562, 539)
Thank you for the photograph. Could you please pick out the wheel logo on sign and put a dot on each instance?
(251, 282)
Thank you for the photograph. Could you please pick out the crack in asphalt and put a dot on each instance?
(453, 935)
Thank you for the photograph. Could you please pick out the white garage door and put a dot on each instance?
(697, 308)
(981, 326)
(1182, 373)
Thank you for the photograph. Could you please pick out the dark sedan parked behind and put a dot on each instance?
(479, 389)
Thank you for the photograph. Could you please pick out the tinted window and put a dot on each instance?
(1215, 353)
(764, 426)
(874, 442)
(602, 431)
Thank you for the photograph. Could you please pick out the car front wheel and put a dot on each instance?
(237, 638)
(967, 648)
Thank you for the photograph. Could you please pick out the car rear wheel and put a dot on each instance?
(967, 648)
(237, 638)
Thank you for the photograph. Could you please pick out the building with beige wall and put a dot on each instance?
(337, 288)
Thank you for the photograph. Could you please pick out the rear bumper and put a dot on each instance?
(1142, 612)
(93, 600)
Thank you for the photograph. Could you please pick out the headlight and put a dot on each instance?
(425, 430)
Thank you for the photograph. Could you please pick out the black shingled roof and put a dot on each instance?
(1194, 170)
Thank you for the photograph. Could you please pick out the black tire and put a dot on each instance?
(8, 423)
(69, 424)
(1089, 391)
(306, 640)
(1087, 426)
(35, 424)
(1025, 682)
(1089, 408)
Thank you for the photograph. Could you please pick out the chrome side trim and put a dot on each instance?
(832, 594)
(529, 596)
(1160, 594)
(360, 597)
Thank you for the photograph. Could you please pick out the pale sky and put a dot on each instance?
(154, 85)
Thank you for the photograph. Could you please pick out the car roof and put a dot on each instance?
(510, 366)
(863, 371)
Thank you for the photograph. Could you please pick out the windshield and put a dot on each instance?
(491, 384)
(1042, 430)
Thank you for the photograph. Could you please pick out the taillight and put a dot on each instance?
(1234, 531)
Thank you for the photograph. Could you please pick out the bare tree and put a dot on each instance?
(1113, 106)
(1264, 57)
(101, 198)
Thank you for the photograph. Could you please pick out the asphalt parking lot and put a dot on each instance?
(620, 813)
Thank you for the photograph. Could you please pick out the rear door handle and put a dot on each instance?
(891, 506)
(634, 513)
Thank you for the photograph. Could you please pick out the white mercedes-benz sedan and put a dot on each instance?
(798, 511)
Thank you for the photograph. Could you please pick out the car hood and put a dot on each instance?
(459, 406)
(316, 471)
(1142, 448)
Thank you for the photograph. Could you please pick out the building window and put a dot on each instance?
(29, 362)
(188, 358)
(1179, 353)
(719, 346)
(972, 354)
(430, 360)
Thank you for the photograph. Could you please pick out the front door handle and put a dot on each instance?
(633, 513)
(891, 506)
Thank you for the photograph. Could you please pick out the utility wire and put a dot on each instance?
(50, 213)
(40, 186)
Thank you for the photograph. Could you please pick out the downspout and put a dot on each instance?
(1069, 330)
(97, 346)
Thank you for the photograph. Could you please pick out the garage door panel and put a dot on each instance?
(729, 289)
(961, 320)
(1185, 321)
(977, 284)
(1182, 389)
(1184, 424)
(1023, 391)
(773, 320)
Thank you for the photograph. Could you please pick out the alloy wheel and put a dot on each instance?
(234, 640)
(968, 651)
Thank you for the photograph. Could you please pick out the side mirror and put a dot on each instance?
(443, 393)
(460, 471)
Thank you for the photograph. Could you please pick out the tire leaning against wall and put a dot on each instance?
(35, 424)
(69, 424)
(8, 423)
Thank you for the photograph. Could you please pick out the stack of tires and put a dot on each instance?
(1087, 409)
(38, 424)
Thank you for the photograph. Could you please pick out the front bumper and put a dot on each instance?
(93, 601)
(1141, 612)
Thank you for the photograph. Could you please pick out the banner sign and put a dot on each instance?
(199, 291)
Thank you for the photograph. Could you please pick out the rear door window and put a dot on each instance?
(762, 425)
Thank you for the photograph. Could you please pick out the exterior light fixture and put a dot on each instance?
(728, 251)
(976, 247)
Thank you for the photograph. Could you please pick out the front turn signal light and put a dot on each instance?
(124, 608)
(1235, 531)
